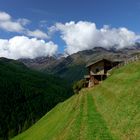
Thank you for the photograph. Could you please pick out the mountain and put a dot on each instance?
(109, 111)
(26, 95)
(72, 67)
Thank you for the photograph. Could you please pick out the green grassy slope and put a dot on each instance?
(110, 111)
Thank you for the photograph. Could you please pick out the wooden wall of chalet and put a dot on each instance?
(97, 68)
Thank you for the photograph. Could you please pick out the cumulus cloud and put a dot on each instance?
(85, 35)
(7, 23)
(24, 47)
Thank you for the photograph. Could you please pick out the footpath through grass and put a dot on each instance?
(110, 111)
(75, 119)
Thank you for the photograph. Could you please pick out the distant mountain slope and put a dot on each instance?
(110, 111)
(72, 68)
(26, 95)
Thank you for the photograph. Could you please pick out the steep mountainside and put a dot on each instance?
(26, 95)
(72, 68)
(110, 111)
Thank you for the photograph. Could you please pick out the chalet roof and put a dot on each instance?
(97, 61)
(103, 59)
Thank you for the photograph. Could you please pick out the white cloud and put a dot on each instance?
(8, 24)
(85, 35)
(11, 26)
(24, 47)
(4, 16)
(37, 33)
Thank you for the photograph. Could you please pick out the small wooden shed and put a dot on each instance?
(98, 71)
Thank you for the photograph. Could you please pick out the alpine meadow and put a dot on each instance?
(69, 70)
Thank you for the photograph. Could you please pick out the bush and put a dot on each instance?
(77, 86)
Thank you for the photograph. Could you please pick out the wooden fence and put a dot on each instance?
(127, 61)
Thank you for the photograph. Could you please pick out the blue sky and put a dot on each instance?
(43, 14)
(112, 12)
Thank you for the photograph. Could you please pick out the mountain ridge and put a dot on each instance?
(75, 63)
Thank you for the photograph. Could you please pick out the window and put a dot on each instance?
(97, 70)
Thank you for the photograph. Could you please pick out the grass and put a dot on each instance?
(110, 111)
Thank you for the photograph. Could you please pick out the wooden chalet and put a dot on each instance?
(98, 71)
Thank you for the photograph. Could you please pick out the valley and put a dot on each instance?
(110, 111)
(26, 95)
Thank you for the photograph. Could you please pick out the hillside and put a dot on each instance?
(110, 111)
(72, 67)
(26, 95)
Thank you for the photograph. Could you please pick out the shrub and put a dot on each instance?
(77, 86)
